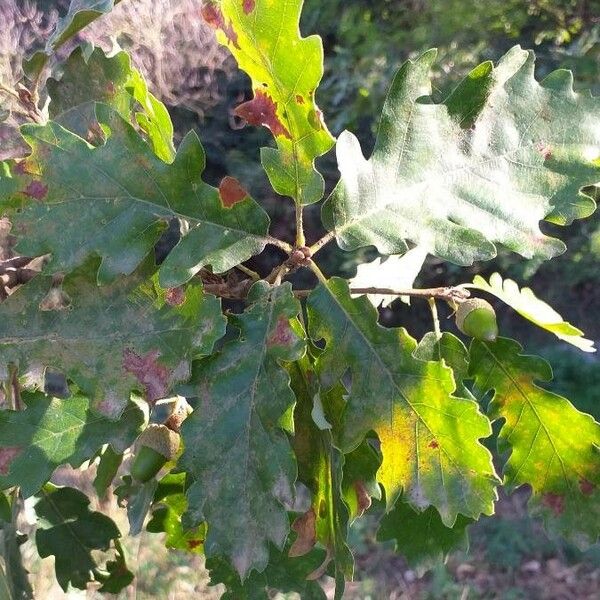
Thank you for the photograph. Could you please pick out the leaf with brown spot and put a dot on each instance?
(262, 110)
(408, 402)
(7, 455)
(114, 339)
(249, 6)
(124, 195)
(363, 498)
(212, 14)
(304, 527)
(321, 468)
(553, 447)
(36, 190)
(153, 376)
(237, 452)
(283, 334)
(85, 80)
(231, 191)
(264, 38)
(175, 296)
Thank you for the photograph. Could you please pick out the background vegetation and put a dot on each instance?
(365, 42)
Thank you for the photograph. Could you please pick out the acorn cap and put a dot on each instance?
(161, 439)
(179, 412)
(476, 317)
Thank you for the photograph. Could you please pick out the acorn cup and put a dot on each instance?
(476, 318)
(156, 445)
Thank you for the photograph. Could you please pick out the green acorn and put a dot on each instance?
(476, 318)
(156, 445)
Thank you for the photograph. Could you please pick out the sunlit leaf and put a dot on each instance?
(320, 468)
(485, 166)
(528, 305)
(395, 272)
(429, 437)
(552, 446)
(80, 14)
(89, 78)
(285, 69)
(169, 505)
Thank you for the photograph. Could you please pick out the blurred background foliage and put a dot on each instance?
(365, 42)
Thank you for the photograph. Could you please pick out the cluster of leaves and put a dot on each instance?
(307, 413)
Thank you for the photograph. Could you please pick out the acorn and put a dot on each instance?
(156, 445)
(476, 318)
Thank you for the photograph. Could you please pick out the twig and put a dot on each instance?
(320, 276)
(252, 274)
(278, 273)
(442, 293)
(280, 244)
(322, 242)
(300, 239)
(436, 319)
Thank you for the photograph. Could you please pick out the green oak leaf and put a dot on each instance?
(528, 305)
(124, 196)
(359, 484)
(112, 339)
(552, 446)
(52, 432)
(453, 352)
(80, 14)
(283, 573)
(285, 69)
(320, 468)
(422, 538)
(89, 78)
(236, 448)
(117, 576)
(168, 507)
(137, 497)
(485, 166)
(70, 532)
(429, 437)
(154, 118)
